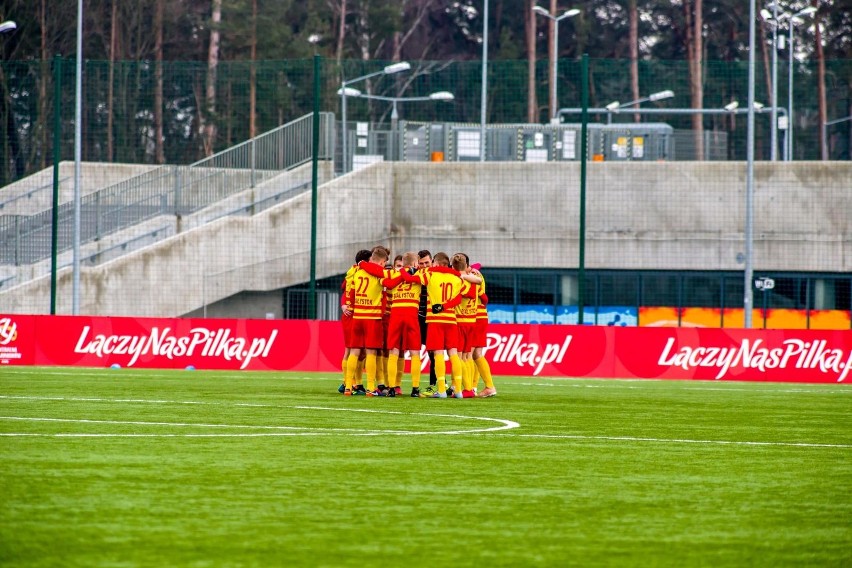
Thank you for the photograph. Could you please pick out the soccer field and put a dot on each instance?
(193, 468)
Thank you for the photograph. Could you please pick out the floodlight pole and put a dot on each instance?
(554, 55)
(773, 154)
(388, 70)
(748, 293)
(791, 23)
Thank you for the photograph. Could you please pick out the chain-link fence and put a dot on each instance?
(664, 239)
(121, 122)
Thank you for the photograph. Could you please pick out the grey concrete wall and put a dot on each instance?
(36, 191)
(685, 216)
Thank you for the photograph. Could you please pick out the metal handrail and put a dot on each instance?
(29, 194)
(178, 190)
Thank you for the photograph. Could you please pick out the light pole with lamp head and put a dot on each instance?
(615, 106)
(554, 106)
(772, 19)
(792, 21)
(8, 26)
(437, 96)
(345, 90)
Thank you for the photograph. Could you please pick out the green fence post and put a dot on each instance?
(312, 293)
(581, 265)
(57, 125)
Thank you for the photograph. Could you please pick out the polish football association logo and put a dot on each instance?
(8, 331)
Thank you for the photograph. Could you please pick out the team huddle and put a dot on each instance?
(389, 310)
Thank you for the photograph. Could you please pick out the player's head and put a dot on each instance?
(441, 259)
(362, 254)
(379, 255)
(459, 261)
(409, 260)
(424, 258)
(397, 262)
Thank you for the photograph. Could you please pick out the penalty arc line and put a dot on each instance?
(290, 430)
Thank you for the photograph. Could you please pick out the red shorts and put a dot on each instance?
(404, 331)
(367, 334)
(346, 322)
(440, 336)
(385, 325)
(467, 331)
(480, 333)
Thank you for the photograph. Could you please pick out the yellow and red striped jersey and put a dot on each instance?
(402, 294)
(443, 286)
(368, 294)
(346, 298)
(466, 310)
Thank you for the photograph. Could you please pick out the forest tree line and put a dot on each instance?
(161, 73)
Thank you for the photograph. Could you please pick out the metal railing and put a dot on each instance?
(167, 190)
(30, 194)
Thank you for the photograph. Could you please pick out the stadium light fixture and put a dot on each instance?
(667, 94)
(344, 91)
(733, 105)
(8, 26)
(615, 106)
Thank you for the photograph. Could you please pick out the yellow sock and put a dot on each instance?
(415, 370)
(381, 365)
(475, 374)
(441, 371)
(471, 373)
(343, 365)
(392, 363)
(458, 370)
(485, 371)
(370, 367)
(351, 366)
(465, 374)
(400, 369)
(359, 372)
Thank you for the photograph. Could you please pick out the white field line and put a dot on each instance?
(506, 425)
(149, 373)
(615, 384)
(290, 430)
(680, 441)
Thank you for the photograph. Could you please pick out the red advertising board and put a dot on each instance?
(525, 350)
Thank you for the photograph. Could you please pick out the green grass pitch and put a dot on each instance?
(102, 467)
